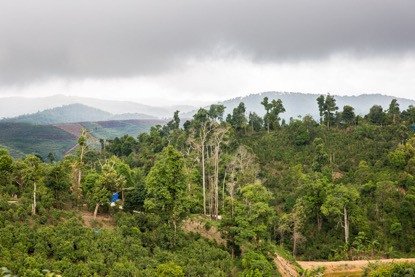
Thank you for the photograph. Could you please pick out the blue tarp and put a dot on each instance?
(114, 197)
(413, 127)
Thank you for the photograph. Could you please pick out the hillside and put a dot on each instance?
(15, 106)
(73, 113)
(24, 138)
(302, 104)
(64, 114)
(117, 128)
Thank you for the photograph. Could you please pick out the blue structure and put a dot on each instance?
(413, 127)
(114, 197)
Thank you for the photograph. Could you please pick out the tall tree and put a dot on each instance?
(82, 148)
(167, 187)
(298, 218)
(327, 108)
(255, 122)
(376, 115)
(238, 119)
(109, 181)
(273, 110)
(216, 111)
(339, 202)
(393, 110)
(218, 137)
(267, 107)
(348, 116)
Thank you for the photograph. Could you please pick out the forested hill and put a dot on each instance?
(73, 113)
(338, 188)
(296, 103)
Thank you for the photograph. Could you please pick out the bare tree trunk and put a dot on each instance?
(223, 191)
(294, 244)
(346, 225)
(96, 211)
(34, 199)
(216, 181)
(203, 177)
(319, 221)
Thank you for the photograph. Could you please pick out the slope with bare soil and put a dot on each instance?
(196, 225)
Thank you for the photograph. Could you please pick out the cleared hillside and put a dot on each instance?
(25, 138)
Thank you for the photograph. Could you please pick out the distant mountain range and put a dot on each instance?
(65, 109)
(305, 104)
(15, 106)
(73, 113)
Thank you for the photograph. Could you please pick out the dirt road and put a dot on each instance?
(347, 268)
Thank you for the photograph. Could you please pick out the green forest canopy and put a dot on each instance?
(340, 188)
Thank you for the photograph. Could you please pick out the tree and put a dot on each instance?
(409, 114)
(58, 180)
(321, 107)
(216, 112)
(6, 170)
(255, 122)
(237, 119)
(169, 270)
(83, 147)
(393, 110)
(166, 187)
(267, 107)
(321, 157)
(376, 115)
(109, 181)
(202, 129)
(273, 110)
(29, 172)
(339, 202)
(174, 124)
(297, 218)
(348, 116)
(218, 137)
(327, 107)
(249, 223)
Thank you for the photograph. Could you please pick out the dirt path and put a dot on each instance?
(347, 267)
(285, 268)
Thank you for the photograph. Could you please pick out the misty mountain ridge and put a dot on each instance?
(301, 104)
(73, 113)
(15, 106)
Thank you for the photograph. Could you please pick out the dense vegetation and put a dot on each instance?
(340, 188)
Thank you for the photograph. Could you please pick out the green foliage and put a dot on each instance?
(390, 270)
(343, 192)
(166, 187)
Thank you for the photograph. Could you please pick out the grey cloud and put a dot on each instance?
(106, 38)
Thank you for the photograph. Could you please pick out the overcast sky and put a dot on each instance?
(198, 51)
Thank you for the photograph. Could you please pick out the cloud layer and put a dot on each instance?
(79, 39)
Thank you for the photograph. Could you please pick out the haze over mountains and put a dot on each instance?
(305, 104)
(15, 106)
(74, 113)
(79, 109)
